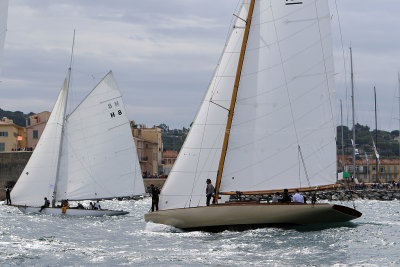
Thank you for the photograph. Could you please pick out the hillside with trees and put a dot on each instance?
(17, 116)
(387, 145)
(173, 138)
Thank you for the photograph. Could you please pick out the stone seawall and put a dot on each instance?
(13, 163)
(343, 195)
(11, 166)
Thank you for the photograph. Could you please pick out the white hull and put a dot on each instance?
(254, 214)
(71, 212)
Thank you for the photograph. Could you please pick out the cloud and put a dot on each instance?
(163, 53)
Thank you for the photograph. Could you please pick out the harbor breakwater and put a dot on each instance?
(347, 194)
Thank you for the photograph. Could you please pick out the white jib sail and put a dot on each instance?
(38, 177)
(3, 26)
(199, 156)
(283, 125)
(99, 157)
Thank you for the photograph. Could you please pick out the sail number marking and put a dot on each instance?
(114, 105)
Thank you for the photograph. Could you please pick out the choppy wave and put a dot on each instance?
(40, 240)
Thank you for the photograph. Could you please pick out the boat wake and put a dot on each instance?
(162, 228)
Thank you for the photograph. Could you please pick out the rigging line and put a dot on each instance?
(214, 83)
(217, 69)
(284, 74)
(198, 160)
(212, 158)
(64, 121)
(344, 60)
(219, 72)
(233, 53)
(326, 70)
(304, 166)
(298, 158)
(233, 100)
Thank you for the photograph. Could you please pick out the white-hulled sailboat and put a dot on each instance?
(266, 123)
(88, 155)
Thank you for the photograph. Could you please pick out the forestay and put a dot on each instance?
(283, 125)
(38, 177)
(99, 158)
(199, 156)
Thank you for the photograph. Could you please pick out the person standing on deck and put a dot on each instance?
(154, 191)
(8, 198)
(285, 196)
(210, 192)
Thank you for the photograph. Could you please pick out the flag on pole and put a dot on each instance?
(354, 147)
(376, 152)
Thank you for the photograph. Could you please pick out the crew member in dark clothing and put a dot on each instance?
(285, 196)
(8, 198)
(314, 198)
(154, 191)
(210, 190)
(46, 204)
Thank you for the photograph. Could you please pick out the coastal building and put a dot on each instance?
(12, 136)
(368, 171)
(168, 160)
(34, 127)
(149, 146)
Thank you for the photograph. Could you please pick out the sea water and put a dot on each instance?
(43, 240)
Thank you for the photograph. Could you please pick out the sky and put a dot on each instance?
(163, 54)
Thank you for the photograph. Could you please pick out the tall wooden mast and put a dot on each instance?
(54, 198)
(233, 100)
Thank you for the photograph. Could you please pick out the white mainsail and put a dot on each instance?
(3, 26)
(199, 156)
(99, 158)
(283, 124)
(98, 154)
(39, 175)
(285, 102)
